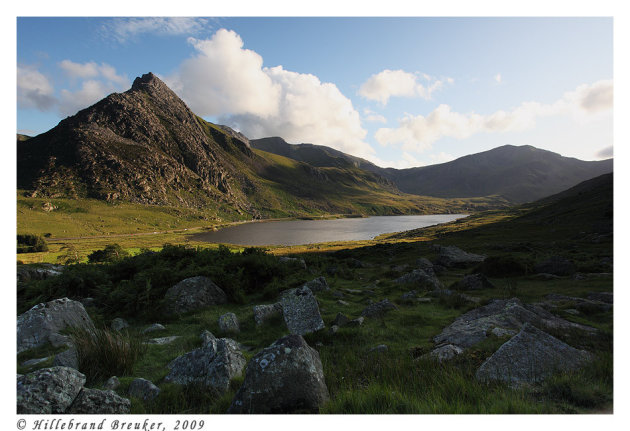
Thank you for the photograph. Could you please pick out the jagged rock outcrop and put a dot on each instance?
(213, 365)
(300, 311)
(42, 323)
(143, 389)
(228, 323)
(192, 294)
(317, 285)
(421, 279)
(286, 377)
(378, 309)
(531, 356)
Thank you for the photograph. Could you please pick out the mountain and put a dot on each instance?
(145, 146)
(517, 173)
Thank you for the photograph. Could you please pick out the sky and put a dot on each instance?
(398, 91)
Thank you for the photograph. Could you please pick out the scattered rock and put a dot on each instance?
(317, 285)
(192, 294)
(228, 323)
(425, 264)
(473, 326)
(162, 340)
(502, 332)
(292, 261)
(545, 276)
(143, 389)
(337, 294)
(33, 362)
(48, 390)
(446, 352)
(606, 297)
(378, 308)
(207, 337)
(286, 377)
(42, 323)
(450, 256)
(340, 320)
(473, 282)
(212, 365)
(572, 311)
(301, 312)
(266, 312)
(353, 291)
(67, 358)
(97, 402)
(153, 328)
(531, 356)
(342, 302)
(112, 383)
(555, 265)
(26, 273)
(378, 349)
(421, 279)
(118, 324)
(356, 322)
(333, 329)
(355, 263)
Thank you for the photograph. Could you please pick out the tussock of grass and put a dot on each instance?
(103, 353)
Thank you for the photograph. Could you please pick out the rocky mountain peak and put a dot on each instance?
(147, 80)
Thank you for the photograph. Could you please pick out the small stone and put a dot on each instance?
(143, 389)
(379, 349)
(340, 320)
(379, 308)
(317, 285)
(342, 302)
(228, 323)
(33, 362)
(118, 324)
(446, 353)
(162, 340)
(333, 329)
(153, 328)
(356, 322)
(112, 383)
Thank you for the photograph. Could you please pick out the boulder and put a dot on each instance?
(266, 312)
(292, 261)
(555, 265)
(212, 365)
(143, 389)
(41, 324)
(342, 302)
(42, 271)
(112, 383)
(67, 358)
(446, 352)
(378, 349)
(425, 264)
(317, 285)
(208, 337)
(475, 325)
(286, 377)
(118, 324)
(97, 402)
(531, 356)
(378, 308)
(192, 294)
(473, 282)
(340, 320)
(228, 323)
(421, 279)
(450, 256)
(162, 340)
(48, 390)
(301, 312)
(356, 322)
(153, 328)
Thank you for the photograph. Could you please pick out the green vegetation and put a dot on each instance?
(111, 253)
(30, 243)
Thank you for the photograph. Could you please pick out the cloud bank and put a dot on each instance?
(123, 29)
(34, 90)
(227, 81)
(418, 133)
(398, 83)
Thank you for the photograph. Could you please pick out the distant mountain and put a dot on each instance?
(517, 173)
(146, 146)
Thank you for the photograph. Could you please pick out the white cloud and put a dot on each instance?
(605, 153)
(398, 83)
(227, 81)
(122, 29)
(373, 117)
(92, 70)
(418, 133)
(497, 78)
(34, 90)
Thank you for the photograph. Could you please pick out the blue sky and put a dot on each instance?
(398, 91)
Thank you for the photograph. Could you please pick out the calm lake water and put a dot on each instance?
(298, 232)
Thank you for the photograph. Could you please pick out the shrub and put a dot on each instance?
(28, 243)
(103, 353)
(111, 253)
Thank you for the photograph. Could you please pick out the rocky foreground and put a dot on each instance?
(288, 376)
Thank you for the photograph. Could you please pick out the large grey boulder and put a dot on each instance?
(228, 323)
(317, 285)
(556, 265)
(420, 279)
(212, 365)
(475, 325)
(192, 294)
(425, 264)
(453, 256)
(143, 389)
(531, 356)
(446, 352)
(473, 282)
(48, 390)
(301, 312)
(378, 309)
(97, 402)
(286, 377)
(266, 312)
(42, 323)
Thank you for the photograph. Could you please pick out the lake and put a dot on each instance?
(299, 232)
